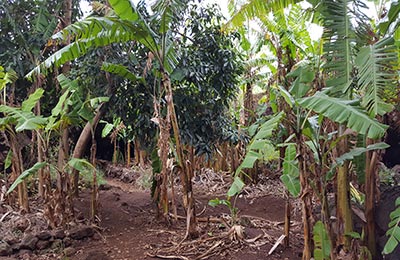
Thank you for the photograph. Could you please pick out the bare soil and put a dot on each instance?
(130, 229)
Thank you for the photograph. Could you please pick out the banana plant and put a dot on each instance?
(123, 23)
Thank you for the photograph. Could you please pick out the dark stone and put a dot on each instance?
(69, 251)
(42, 244)
(59, 234)
(29, 242)
(81, 232)
(67, 241)
(44, 235)
(11, 240)
(58, 243)
(96, 236)
(97, 255)
(5, 249)
(21, 224)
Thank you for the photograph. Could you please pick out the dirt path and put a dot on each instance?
(131, 230)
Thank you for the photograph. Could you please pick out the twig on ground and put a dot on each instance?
(168, 256)
(280, 239)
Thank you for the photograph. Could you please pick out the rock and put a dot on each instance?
(11, 240)
(29, 242)
(81, 232)
(44, 235)
(67, 241)
(59, 234)
(96, 237)
(42, 244)
(5, 249)
(97, 255)
(25, 253)
(69, 251)
(21, 224)
(58, 243)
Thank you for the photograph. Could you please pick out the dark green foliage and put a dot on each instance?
(206, 80)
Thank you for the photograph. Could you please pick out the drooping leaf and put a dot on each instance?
(81, 165)
(377, 78)
(344, 112)
(354, 153)
(236, 187)
(291, 173)
(33, 98)
(25, 174)
(107, 130)
(322, 247)
(122, 71)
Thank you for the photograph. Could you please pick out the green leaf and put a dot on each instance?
(343, 112)
(122, 71)
(125, 9)
(322, 247)
(107, 130)
(81, 165)
(259, 142)
(8, 160)
(236, 187)
(290, 175)
(25, 174)
(393, 16)
(354, 153)
(394, 229)
(377, 78)
(30, 103)
(216, 202)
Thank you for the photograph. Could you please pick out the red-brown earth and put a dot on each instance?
(129, 228)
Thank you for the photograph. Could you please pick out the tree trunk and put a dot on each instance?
(370, 197)
(82, 143)
(343, 211)
(186, 174)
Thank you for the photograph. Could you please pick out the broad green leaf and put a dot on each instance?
(107, 130)
(80, 165)
(343, 112)
(258, 142)
(376, 65)
(25, 174)
(354, 153)
(322, 244)
(290, 175)
(30, 103)
(236, 187)
(125, 9)
(394, 229)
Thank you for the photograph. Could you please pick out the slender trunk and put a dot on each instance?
(82, 143)
(128, 154)
(187, 175)
(306, 201)
(370, 197)
(95, 192)
(17, 169)
(343, 211)
(287, 220)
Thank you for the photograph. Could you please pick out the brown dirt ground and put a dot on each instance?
(131, 229)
